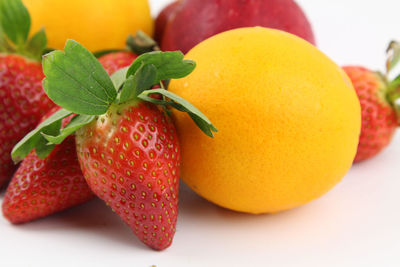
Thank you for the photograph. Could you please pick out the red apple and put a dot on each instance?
(197, 20)
(163, 18)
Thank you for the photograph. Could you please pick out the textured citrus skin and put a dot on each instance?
(130, 157)
(288, 121)
(379, 120)
(22, 104)
(41, 187)
(98, 25)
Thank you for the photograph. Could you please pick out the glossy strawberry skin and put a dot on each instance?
(22, 104)
(130, 158)
(379, 121)
(41, 187)
(118, 60)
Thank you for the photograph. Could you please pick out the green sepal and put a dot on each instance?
(37, 44)
(76, 123)
(5, 46)
(393, 52)
(141, 43)
(34, 139)
(182, 105)
(394, 85)
(15, 21)
(143, 79)
(169, 65)
(43, 149)
(119, 77)
(396, 105)
(76, 81)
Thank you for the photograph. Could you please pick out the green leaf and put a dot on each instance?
(119, 77)
(143, 79)
(37, 44)
(182, 105)
(75, 80)
(15, 21)
(169, 65)
(34, 139)
(43, 149)
(393, 52)
(76, 123)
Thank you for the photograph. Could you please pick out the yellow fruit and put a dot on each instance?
(97, 24)
(288, 121)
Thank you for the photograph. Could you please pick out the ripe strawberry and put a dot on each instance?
(130, 158)
(22, 99)
(127, 146)
(117, 60)
(378, 102)
(41, 187)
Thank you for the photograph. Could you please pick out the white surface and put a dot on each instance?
(356, 224)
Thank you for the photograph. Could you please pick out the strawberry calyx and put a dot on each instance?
(139, 44)
(15, 24)
(76, 81)
(393, 86)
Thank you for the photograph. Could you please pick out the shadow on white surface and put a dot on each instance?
(92, 218)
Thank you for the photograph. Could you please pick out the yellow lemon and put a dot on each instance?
(288, 119)
(97, 24)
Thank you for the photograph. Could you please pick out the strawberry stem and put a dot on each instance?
(15, 23)
(393, 53)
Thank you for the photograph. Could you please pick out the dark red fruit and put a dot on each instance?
(163, 19)
(197, 20)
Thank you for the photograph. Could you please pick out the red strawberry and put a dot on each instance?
(22, 99)
(379, 117)
(130, 158)
(127, 148)
(117, 60)
(41, 187)
(69, 190)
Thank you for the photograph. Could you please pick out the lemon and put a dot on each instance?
(288, 118)
(97, 24)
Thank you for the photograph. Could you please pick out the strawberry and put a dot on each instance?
(41, 187)
(379, 103)
(24, 200)
(130, 158)
(127, 145)
(22, 99)
(117, 60)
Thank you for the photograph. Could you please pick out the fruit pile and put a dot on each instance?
(120, 118)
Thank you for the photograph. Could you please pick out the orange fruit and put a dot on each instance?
(288, 119)
(96, 24)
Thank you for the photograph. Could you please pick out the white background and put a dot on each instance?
(356, 224)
